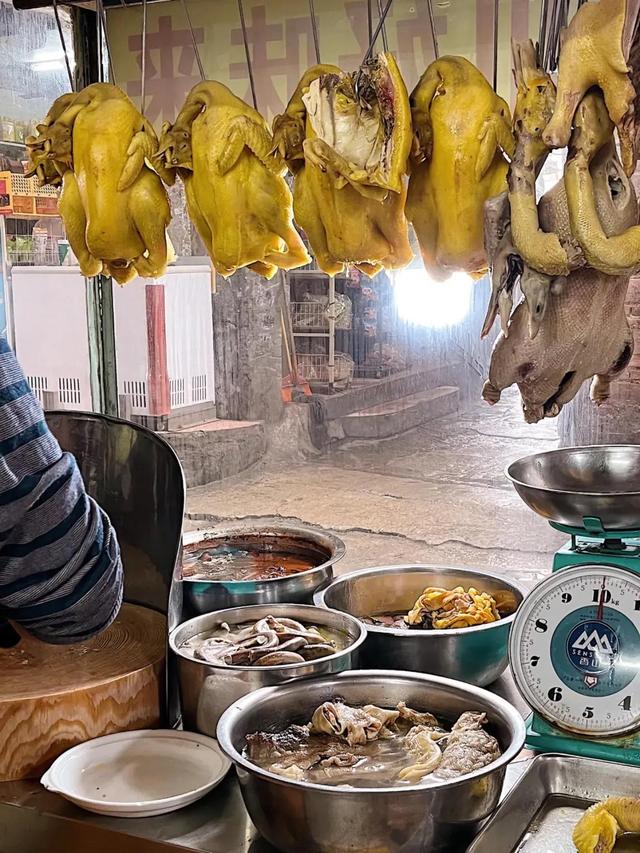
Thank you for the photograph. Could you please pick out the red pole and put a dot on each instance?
(158, 376)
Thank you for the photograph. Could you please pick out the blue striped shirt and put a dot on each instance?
(60, 568)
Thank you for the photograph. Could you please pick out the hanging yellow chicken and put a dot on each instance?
(236, 193)
(346, 139)
(95, 143)
(461, 131)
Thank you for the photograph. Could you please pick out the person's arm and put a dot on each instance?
(60, 568)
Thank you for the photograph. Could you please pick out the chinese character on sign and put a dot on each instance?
(167, 83)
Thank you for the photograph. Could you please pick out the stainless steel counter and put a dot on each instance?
(218, 823)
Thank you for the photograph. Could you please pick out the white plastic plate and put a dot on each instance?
(138, 774)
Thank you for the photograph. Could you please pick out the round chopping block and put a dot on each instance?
(54, 697)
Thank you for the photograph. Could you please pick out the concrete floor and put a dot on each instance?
(436, 494)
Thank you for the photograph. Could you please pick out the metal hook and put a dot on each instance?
(314, 30)
(385, 43)
(432, 25)
(383, 15)
(99, 41)
(64, 45)
(247, 54)
(112, 74)
(143, 82)
(496, 25)
(369, 21)
(193, 39)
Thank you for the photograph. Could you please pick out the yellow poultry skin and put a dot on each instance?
(236, 193)
(618, 254)
(601, 825)
(461, 128)
(352, 212)
(593, 54)
(114, 207)
(535, 101)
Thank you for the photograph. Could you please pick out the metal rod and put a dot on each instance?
(542, 30)
(314, 30)
(385, 43)
(496, 26)
(193, 39)
(112, 74)
(375, 35)
(99, 41)
(143, 81)
(331, 361)
(432, 25)
(369, 20)
(247, 54)
(64, 44)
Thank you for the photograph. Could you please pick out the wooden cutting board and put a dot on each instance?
(53, 697)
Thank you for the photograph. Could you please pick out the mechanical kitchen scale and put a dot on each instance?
(575, 641)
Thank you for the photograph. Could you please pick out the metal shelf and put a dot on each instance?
(311, 334)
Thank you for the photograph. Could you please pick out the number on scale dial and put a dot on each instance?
(575, 650)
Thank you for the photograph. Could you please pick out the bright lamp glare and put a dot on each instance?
(425, 302)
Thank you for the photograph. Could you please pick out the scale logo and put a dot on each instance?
(593, 648)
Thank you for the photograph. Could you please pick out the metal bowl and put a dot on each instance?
(206, 689)
(300, 817)
(476, 655)
(576, 483)
(205, 596)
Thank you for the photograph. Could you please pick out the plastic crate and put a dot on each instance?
(22, 196)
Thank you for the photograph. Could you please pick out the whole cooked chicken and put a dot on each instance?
(114, 207)
(594, 52)
(601, 825)
(462, 130)
(346, 139)
(236, 193)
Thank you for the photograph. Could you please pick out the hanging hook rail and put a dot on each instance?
(247, 53)
(432, 26)
(193, 39)
(385, 43)
(314, 30)
(143, 81)
(496, 26)
(376, 33)
(64, 45)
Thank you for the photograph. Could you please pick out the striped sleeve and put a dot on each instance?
(60, 568)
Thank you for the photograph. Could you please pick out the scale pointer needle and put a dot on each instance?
(600, 612)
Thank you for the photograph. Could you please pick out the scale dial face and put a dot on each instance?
(575, 650)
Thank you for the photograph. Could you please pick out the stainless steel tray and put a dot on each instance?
(540, 812)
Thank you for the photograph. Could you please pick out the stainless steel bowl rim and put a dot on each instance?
(508, 710)
(339, 550)
(319, 599)
(516, 481)
(359, 628)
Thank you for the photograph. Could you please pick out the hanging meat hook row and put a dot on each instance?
(193, 39)
(64, 44)
(314, 30)
(143, 70)
(496, 27)
(385, 43)
(247, 53)
(432, 25)
(374, 37)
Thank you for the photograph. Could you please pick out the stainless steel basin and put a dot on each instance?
(301, 817)
(569, 485)
(476, 655)
(206, 690)
(206, 596)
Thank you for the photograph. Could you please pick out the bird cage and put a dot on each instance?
(21, 196)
